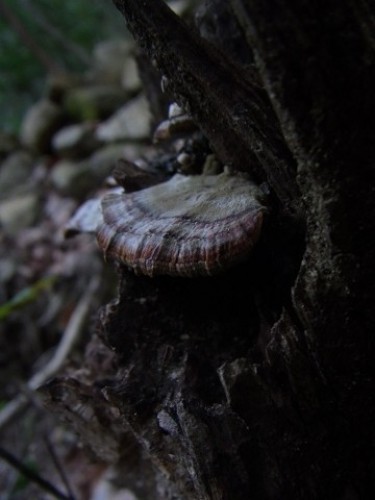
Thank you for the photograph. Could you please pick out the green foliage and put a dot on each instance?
(26, 296)
(81, 22)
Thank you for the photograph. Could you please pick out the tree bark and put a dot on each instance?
(259, 383)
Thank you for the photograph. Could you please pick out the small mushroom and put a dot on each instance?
(175, 110)
(174, 127)
(187, 226)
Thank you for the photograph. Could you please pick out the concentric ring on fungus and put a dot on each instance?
(187, 226)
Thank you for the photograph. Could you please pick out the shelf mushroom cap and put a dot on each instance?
(188, 226)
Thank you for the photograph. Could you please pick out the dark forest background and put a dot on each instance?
(37, 35)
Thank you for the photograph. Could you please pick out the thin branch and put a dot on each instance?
(65, 346)
(31, 475)
(40, 410)
(19, 27)
(58, 465)
(55, 33)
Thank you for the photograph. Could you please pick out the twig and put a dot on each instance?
(27, 38)
(36, 403)
(52, 31)
(68, 340)
(31, 475)
(58, 465)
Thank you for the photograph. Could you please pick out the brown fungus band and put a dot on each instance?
(187, 226)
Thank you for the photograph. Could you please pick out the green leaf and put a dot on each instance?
(26, 296)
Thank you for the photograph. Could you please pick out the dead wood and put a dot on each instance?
(258, 383)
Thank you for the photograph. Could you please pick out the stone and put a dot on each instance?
(72, 178)
(109, 57)
(179, 7)
(103, 161)
(130, 79)
(14, 173)
(94, 102)
(131, 122)
(8, 143)
(76, 141)
(39, 125)
(20, 212)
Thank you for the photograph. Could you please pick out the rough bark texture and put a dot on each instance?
(259, 383)
(215, 92)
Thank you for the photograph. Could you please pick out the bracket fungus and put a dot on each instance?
(187, 226)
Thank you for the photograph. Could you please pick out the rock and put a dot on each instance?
(14, 173)
(8, 143)
(179, 7)
(58, 84)
(109, 58)
(105, 489)
(19, 212)
(132, 151)
(130, 80)
(77, 178)
(131, 122)
(39, 124)
(8, 268)
(76, 141)
(94, 102)
(103, 161)
(72, 179)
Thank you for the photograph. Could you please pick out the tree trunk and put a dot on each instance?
(259, 383)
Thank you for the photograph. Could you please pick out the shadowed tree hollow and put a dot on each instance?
(257, 383)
